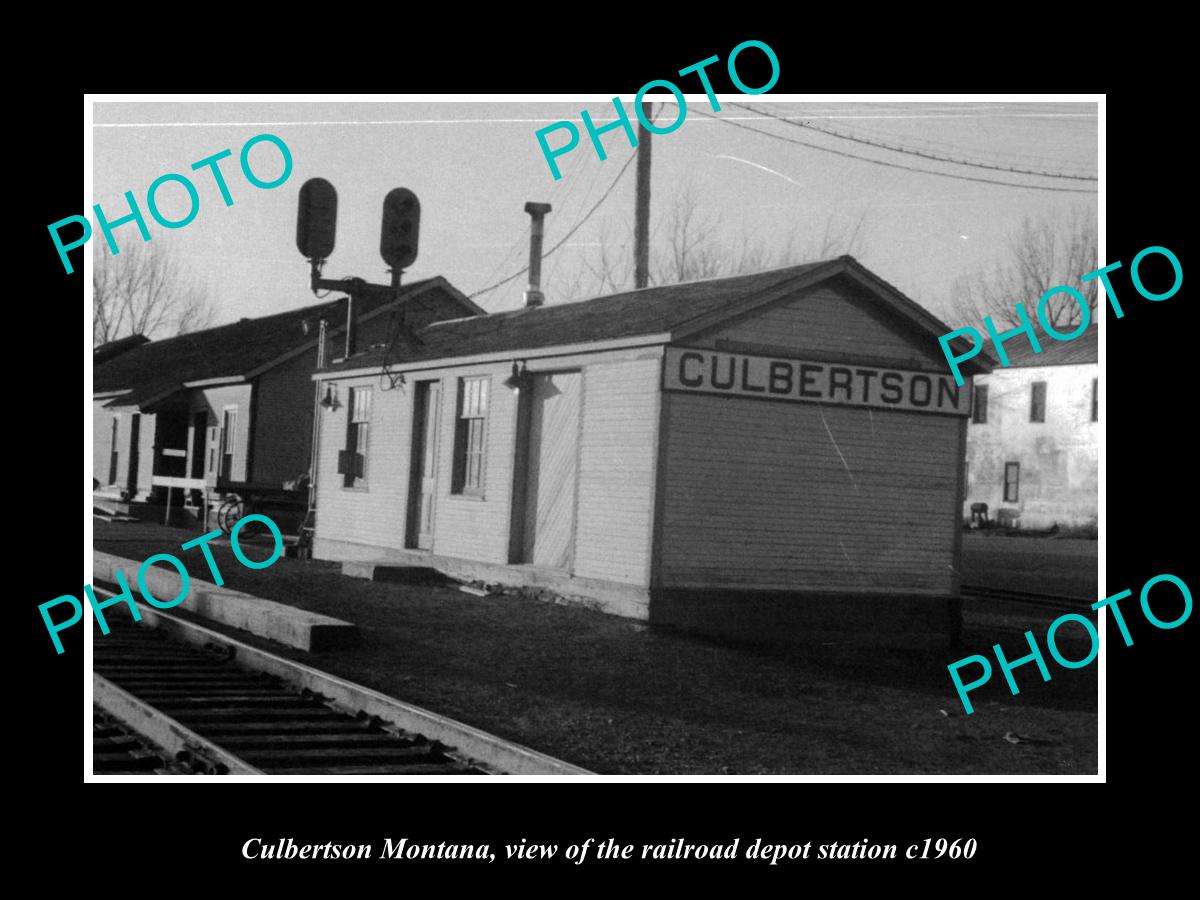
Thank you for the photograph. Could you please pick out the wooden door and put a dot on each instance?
(198, 436)
(422, 491)
(553, 463)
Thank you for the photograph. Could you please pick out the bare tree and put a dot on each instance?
(145, 290)
(693, 248)
(612, 268)
(1043, 253)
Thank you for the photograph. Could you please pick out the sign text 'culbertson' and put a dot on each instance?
(769, 378)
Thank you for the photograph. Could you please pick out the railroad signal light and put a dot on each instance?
(316, 219)
(401, 227)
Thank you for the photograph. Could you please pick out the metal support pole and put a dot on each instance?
(641, 221)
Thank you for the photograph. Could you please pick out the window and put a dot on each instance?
(114, 453)
(469, 434)
(352, 462)
(1037, 405)
(1012, 478)
(228, 440)
(1095, 400)
(213, 437)
(979, 408)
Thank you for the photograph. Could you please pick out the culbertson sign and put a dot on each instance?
(771, 378)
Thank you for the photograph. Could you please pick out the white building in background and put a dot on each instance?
(1033, 436)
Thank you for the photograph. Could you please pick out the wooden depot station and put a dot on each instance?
(772, 454)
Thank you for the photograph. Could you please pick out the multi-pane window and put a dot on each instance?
(352, 462)
(1095, 400)
(470, 435)
(1012, 479)
(1037, 402)
(213, 438)
(979, 407)
(228, 440)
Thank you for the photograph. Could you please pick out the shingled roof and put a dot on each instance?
(158, 368)
(1080, 351)
(654, 310)
(113, 349)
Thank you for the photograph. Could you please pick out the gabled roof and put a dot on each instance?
(677, 309)
(113, 349)
(241, 349)
(1080, 351)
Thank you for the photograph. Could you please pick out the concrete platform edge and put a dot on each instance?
(264, 618)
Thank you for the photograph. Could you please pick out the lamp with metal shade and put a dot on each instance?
(518, 379)
(330, 400)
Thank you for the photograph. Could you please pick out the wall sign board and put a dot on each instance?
(771, 378)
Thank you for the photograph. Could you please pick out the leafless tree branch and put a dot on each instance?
(145, 290)
(1045, 252)
(692, 248)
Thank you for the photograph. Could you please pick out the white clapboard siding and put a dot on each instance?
(757, 496)
(217, 399)
(373, 511)
(613, 516)
(617, 465)
(468, 527)
(102, 442)
(831, 323)
(553, 470)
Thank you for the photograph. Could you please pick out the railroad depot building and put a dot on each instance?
(729, 455)
(232, 403)
(1032, 445)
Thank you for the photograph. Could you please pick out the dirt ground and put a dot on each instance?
(616, 696)
(1043, 565)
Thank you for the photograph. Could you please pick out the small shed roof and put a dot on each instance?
(113, 349)
(158, 368)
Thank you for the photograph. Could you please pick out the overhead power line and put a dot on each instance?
(897, 148)
(566, 237)
(1015, 157)
(891, 165)
(582, 209)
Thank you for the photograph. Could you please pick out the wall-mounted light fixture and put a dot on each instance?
(518, 379)
(330, 400)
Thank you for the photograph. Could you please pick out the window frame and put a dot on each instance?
(358, 438)
(472, 412)
(1014, 483)
(114, 451)
(227, 447)
(214, 448)
(1037, 412)
(979, 412)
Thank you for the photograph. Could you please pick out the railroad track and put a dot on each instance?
(1042, 601)
(118, 751)
(223, 707)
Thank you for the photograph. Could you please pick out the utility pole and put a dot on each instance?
(641, 226)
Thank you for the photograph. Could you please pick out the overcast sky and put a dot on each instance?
(474, 165)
